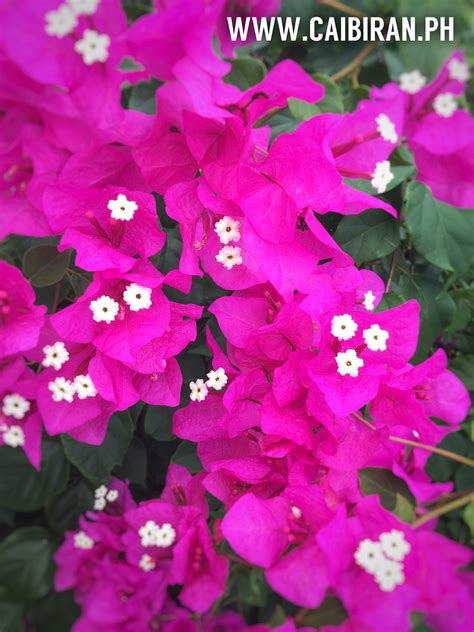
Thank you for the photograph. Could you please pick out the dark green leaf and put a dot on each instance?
(143, 97)
(26, 563)
(134, 464)
(44, 265)
(463, 366)
(55, 613)
(468, 515)
(302, 110)
(404, 509)
(383, 483)
(330, 612)
(158, 423)
(11, 615)
(332, 101)
(97, 462)
(368, 236)
(186, 456)
(22, 488)
(63, 510)
(246, 72)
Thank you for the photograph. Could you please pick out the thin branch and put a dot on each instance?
(365, 421)
(355, 63)
(393, 267)
(344, 8)
(439, 511)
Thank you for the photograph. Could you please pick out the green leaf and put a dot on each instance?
(158, 423)
(44, 265)
(63, 511)
(26, 563)
(134, 464)
(463, 367)
(11, 615)
(186, 456)
(252, 587)
(332, 101)
(441, 469)
(96, 462)
(330, 612)
(368, 236)
(404, 509)
(143, 97)
(383, 483)
(246, 72)
(56, 612)
(302, 110)
(22, 488)
(468, 515)
(441, 233)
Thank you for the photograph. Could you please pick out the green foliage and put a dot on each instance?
(44, 265)
(368, 236)
(392, 491)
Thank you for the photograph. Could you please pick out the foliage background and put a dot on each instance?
(428, 254)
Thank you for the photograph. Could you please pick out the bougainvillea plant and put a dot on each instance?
(236, 342)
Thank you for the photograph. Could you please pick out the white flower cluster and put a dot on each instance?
(386, 128)
(63, 389)
(83, 541)
(384, 559)
(382, 176)
(16, 406)
(103, 496)
(152, 534)
(105, 309)
(228, 229)
(343, 327)
(199, 389)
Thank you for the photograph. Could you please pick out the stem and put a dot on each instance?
(57, 289)
(422, 446)
(393, 267)
(439, 511)
(355, 63)
(344, 8)
(430, 448)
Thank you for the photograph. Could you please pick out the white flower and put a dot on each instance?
(343, 327)
(369, 300)
(14, 436)
(382, 176)
(84, 386)
(137, 297)
(83, 541)
(445, 104)
(458, 70)
(93, 47)
(62, 389)
(389, 575)
(61, 22)
(412, 82)
(55, 355)
(15, 405)
(376, 338)
(152, 534)
(386, 128)
(348, 363)
(227, 230)
(229, 256)
(122, 209)
(394, 545)
(146, 563)
(296, 512)
(217, 379)
(104, 309)
(99, 504)
(369, 555)
(198, 391)
(112, 495)
(83, 7)
(100, 492)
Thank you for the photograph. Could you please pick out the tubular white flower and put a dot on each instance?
(84, 386)
(104, 309)
(445, 104)
(343, 327)
(376, 338)
(112, 495)
(99, 504)
(61, 22)
(146, 563)
(122, 209)
(137, 297)
(394, 545)
(369, 555)
(348, 363)
(389, 575)
(15, 405)
(83, 541)
(62, 390)
(83, 7)
(412, 82)
(382, 176)
(93, 47)
(458, 70)
(14, 436)
(229, 256)
(198, 390)
(100, 492)
(55, 355)
(296, 512)
(386, 128)
(152, 534)
(369, 301)
(217, 379)
(227, 230)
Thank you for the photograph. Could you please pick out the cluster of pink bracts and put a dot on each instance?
(279, 421)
